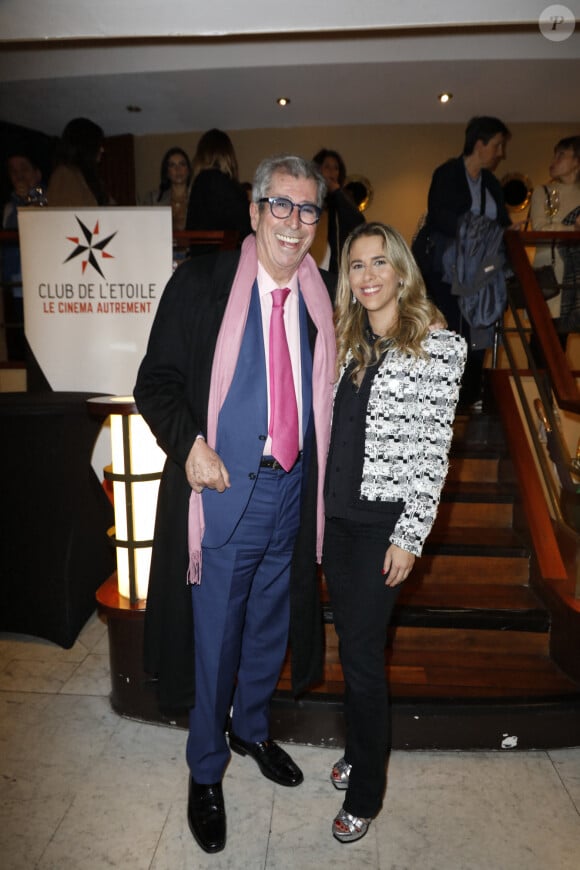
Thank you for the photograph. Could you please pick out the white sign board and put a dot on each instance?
(92, 279)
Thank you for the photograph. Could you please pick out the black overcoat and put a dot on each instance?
(172, 393)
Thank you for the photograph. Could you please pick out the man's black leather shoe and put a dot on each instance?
(272, 760)
(206, 815)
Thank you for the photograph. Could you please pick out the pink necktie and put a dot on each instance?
(283, 409)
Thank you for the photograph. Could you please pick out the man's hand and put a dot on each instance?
(204, 468)
(397, 565)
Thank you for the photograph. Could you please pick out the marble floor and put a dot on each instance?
(83, 789)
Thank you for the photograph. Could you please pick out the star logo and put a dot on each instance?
(92, 247)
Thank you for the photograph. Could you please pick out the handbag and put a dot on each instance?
(547, 281)
(546, 275)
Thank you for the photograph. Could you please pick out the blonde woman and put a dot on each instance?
(217, 200)
(398, 385)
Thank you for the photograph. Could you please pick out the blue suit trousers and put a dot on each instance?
(241, 620)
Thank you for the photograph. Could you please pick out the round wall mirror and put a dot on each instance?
(517, 191)
(360, 191)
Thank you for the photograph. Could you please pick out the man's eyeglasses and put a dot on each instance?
(282, 207)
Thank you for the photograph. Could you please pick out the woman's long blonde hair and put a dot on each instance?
(416, 313)
(215, 151)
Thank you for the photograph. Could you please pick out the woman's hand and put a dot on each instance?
(397, 566)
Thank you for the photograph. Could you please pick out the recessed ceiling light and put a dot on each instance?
(445, 97)
(283, 101)
(133, 108)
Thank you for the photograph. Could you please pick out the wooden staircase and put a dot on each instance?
(468, 654)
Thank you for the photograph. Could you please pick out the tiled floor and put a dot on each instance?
(82, 789)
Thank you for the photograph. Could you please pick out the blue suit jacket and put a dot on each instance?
(243, 425)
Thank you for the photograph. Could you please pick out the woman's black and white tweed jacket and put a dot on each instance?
(409, 422)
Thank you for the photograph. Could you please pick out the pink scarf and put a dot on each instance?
(225, 359)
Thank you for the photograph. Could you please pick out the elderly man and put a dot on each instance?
(237, 388)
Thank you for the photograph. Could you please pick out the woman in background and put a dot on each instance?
(399, 375)
(75, 181)
(340, 214)
(217, 200)
(556, 207)
(173, 187)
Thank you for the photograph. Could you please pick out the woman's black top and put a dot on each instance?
(346, 453)
(218, 202)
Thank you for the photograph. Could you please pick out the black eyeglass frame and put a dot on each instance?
(272, 200)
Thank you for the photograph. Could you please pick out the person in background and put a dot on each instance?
(399, 373)
(247, 188)
(27, 190)
(236, 386)
(75, 180)
(217, 200)
(340, 214)
(556, 207)
(173, 187)
(462, 184)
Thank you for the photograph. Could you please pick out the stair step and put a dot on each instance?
(455, 669)
(473, 468)
(498, 619)
(463, 640)
(447, 720)
(486, 492)
(476, 504)
(480, 606)
(497, 570)
(452, 570)
(483, 431)
(467, 514)
(479, 596)
(492, 607)
(475, 541)
(478, 676)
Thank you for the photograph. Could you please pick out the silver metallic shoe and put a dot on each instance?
(340, 773)
(347, 828)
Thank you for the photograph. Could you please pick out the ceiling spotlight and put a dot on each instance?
(283, 101)
(133, 108)
(444, 98)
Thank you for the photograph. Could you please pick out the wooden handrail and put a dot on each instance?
(226, 240)
(563, 381)
(533, 499)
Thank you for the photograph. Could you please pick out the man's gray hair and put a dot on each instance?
(287, 164)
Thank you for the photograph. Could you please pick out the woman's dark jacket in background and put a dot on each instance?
(218, 202)
(343, 217)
